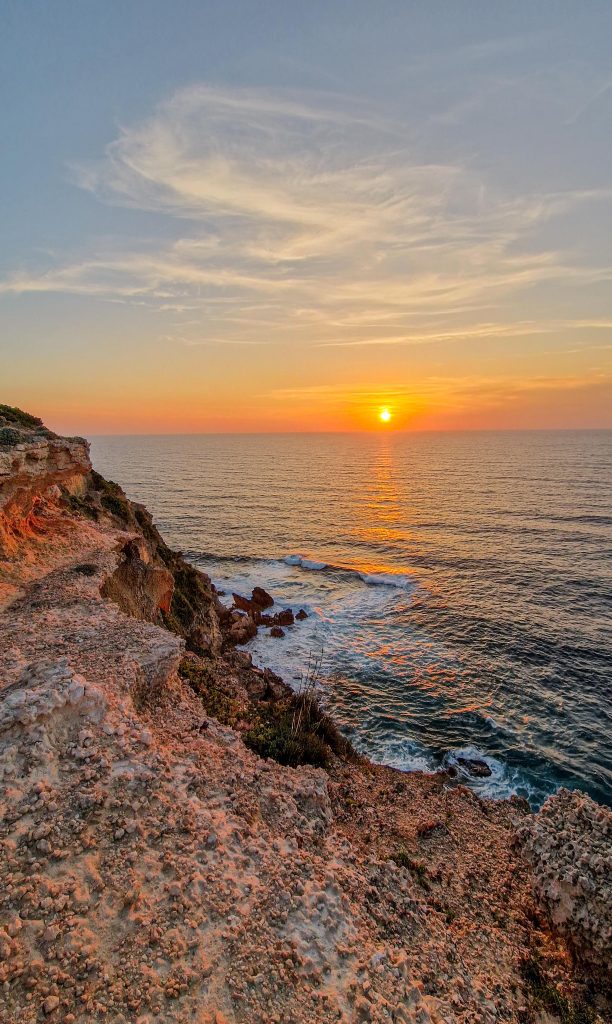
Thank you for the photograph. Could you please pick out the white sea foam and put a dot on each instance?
(387, 579)
(503, 782)
(305, 563)
(402, 753)
(373, 579)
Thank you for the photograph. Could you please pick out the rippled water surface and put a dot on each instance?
(459, 585)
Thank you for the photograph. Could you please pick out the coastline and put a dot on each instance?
(137, 802)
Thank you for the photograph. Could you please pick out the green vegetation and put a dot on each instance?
(218, 702)
(546, 996)
(17, 425)
(294, 730)
(190, 595)
(403, 859)
(112, 497)
(19, 418)
(9, 437)
(80, 506)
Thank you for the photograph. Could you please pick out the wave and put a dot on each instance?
(402, 581)
(211, 556)
(503, 782)
(305, 563)
(373, 579)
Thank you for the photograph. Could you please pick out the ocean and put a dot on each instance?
(458, 585)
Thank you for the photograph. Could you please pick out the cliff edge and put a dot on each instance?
(155, 867)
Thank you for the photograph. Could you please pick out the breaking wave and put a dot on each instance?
(372, 579)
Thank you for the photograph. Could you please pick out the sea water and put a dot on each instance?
(458, 586)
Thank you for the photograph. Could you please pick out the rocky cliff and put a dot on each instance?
(156, 867)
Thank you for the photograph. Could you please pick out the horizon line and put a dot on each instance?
(377, 433)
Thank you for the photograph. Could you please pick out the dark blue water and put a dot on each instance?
(458, 585)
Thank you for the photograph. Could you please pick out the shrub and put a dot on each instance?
(11, 414)
(295, 730)
(218, 702)
(112, 497)
(80, 506)
(9, 437)
(278, 740)
(291, 729)
(546, 996)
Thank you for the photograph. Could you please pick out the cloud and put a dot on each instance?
(445, 392)
(306, 217)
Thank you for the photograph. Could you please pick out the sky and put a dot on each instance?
(249, 216)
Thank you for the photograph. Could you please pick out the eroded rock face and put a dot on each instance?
(31, 467)
(139, 588)
(569, 845)
(33, 463)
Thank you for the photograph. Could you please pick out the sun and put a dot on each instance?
(384, 415)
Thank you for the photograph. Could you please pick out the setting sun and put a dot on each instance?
(384, 415)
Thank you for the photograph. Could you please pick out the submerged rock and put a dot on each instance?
(473, 766)
(261, 598)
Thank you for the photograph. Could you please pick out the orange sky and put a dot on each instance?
(427, 230)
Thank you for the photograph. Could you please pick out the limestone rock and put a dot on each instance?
(569, 845)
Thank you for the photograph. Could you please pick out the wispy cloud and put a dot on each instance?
(308, 217)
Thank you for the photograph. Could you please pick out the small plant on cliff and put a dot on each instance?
(112, 497)
(218, 702)
(17, 426)
(545, 996)
(295, 730)
(403, 860)
(189, 598)
(80, 506)
(19, 418)
(9, 437)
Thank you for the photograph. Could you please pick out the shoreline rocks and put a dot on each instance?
(248, 614)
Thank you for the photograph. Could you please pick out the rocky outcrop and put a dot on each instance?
(139, 588)
(34, 463)
(244, 626)
(569, 846)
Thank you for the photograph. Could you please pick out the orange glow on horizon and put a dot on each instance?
(181, 405)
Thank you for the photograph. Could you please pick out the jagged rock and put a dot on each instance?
(284, 618)
(277, 631)
(31, 468)
(261, 598)
(243, 630)
(301, 615)
(244, 604)
(473, 766)
(569, 845)
(139, 588)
